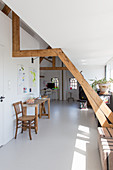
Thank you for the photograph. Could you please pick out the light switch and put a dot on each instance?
(9, 84)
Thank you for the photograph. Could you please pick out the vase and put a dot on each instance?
(104, 88)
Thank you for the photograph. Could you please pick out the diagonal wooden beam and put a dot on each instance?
(47, 59)
(6, 10)
(99, 114)
(104, 109)
(41, 59)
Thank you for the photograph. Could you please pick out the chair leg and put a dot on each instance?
(35, 127)
(30, 130)
(22, 128)
(16, 129)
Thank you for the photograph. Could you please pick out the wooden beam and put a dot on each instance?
(99, 114)
(54, 61)
(49, 47)
(35, 53)
(16, 43)
(90, 92)
(48, 60)
(41, 59)
(6, 10)
(53, 68)
(44, 58)
(16, 33)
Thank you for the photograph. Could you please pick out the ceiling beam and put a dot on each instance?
(53, 68)
(35, 53)
(6, 10)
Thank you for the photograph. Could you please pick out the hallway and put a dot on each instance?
(67, 141)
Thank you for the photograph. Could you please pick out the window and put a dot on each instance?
(72, 83)
(109, 72)
(56, 81)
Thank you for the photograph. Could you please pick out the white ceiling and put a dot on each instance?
(23, 25)
(82, 28)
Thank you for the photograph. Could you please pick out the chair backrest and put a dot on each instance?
(18, 108)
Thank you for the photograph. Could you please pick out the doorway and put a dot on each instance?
(1, 94)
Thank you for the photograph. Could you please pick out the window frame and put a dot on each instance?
(56, 82)
(73, 84)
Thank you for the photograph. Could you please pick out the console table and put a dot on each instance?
(41, 103)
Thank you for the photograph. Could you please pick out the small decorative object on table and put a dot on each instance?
(30, 101)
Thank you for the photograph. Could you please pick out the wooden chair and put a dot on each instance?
(23, 121)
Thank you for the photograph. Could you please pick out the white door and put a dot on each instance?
(1, 93)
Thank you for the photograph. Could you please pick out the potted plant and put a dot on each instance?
(104, 85)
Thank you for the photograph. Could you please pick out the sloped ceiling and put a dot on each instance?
(82, 28)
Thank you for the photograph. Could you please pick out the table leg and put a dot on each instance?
(24, 114)
(48, 108)
(36, 118)
(43, 107)
(40, 110)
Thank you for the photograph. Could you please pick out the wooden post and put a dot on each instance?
(16, 32)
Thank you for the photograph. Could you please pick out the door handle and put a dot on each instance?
(1, 98)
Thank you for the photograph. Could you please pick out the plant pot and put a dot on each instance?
(104, 88)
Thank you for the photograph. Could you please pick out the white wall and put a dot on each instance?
(92, 72)
(10, 72)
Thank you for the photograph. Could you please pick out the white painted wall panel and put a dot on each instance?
(10, 72)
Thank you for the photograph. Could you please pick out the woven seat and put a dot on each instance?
(26, 118)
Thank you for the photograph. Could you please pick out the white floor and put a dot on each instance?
(68, 141)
